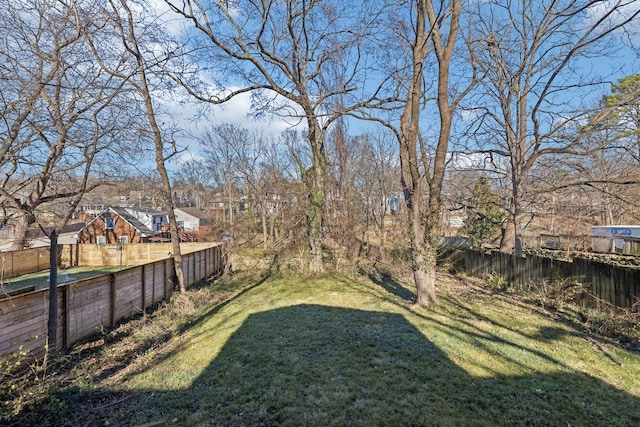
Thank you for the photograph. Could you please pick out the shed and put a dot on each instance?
(192, 218)
(623, 239)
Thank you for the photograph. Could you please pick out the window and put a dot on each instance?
(123, 240)
(102, 240)
(109, 223)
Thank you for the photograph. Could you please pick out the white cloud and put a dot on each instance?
(619, 16)
(470, 113)
(174, 23)
(194, 117)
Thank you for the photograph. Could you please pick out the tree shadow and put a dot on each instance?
(392, 286)
(320, 365)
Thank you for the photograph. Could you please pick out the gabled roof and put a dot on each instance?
(194, 212)
(144, 210)
(135, 222)
(122, 213)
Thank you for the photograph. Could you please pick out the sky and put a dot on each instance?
(188, 113)
(238, 110)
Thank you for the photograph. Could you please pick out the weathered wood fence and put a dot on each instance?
(17, 263)
(86, 306)
(618, 285)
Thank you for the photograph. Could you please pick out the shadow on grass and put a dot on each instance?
(319, 365)
(88, 406)
(392, 286)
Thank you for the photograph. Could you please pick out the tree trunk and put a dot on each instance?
(143, 88)
(511, 241)
(265, 230)
(52, 322)
(314, 228)
(175, 234)
(20, 235)
(425, 281)
(424, 257)
(316, 183)
(508, 239)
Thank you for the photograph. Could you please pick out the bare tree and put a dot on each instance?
(126, 54)
(193, 177)
(435, 29)
(220, 148)
(238, 155)
(376, 184)
(53, 135)
(66, 117)
(287, 53)
(534, 95)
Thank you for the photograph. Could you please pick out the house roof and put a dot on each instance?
(145, 210)
(194, 212)
(135, 222)
(122, 213)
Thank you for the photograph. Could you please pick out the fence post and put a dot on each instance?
(113, 299)
(164, 274)
(65, 316)
(153, 283)
(143, 283)
(195, 268)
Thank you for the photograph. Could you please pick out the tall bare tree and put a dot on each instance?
(287, 54)
(435, 27)
(376, 184)
(535, 94)
(128, 55)
(52, 136)
(67, 113)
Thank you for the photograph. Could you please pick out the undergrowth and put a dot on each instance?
(562, 297)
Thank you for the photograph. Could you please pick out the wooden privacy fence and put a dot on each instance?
(17, 263)
(86, 306)
(128, 254)
(617, 285)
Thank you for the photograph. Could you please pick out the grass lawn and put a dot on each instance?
(347, 350)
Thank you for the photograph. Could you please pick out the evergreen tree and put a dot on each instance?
(484, 215)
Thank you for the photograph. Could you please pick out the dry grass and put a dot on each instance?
(341, 350)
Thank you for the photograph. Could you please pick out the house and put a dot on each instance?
(151, 218)
(115, 225)
(192, 218)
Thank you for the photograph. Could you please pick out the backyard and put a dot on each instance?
(287, 349)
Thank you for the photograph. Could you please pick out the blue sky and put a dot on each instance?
(625, 62)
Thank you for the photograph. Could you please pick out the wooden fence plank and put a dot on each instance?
(87, 305)
(617, 285)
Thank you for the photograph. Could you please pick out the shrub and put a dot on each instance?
(556, 294)
(496, 281)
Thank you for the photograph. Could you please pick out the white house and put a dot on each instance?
(151, 218)
(192, 218)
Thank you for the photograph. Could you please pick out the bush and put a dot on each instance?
(556, 294)
(496, 281)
